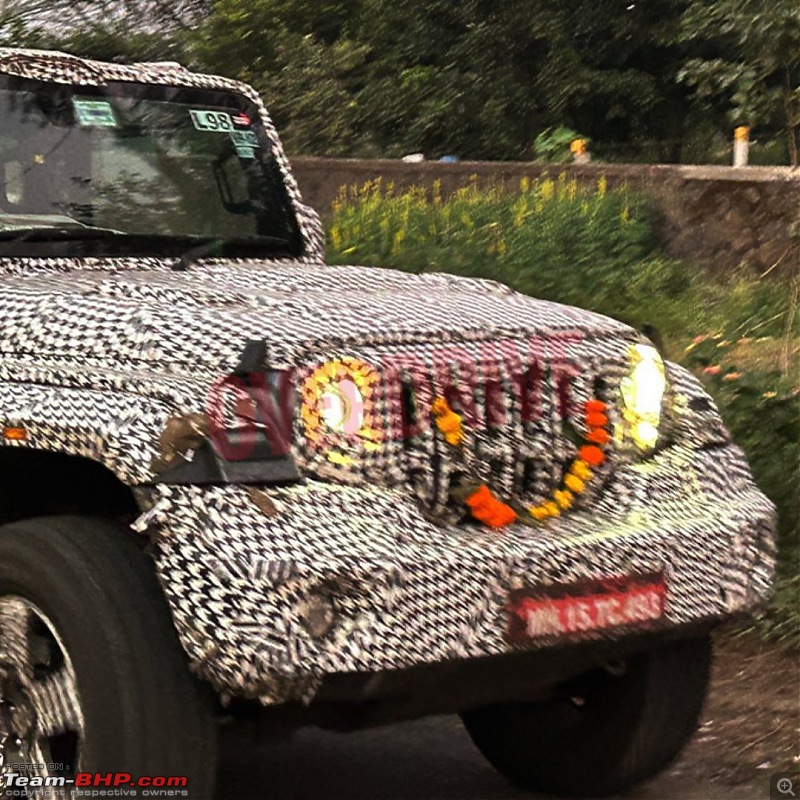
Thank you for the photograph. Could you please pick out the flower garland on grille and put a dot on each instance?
(491, 511)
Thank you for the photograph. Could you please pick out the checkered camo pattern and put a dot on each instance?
(107, 350)
(410, 592)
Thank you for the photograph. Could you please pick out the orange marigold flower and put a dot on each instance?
(598, 436)
(596, 420)
(486, 508)
(592, 455)
(440, 407)
(596, 407)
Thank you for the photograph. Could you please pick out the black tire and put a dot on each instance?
(598, 734)
(143, 712)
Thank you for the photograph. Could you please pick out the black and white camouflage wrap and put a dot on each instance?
(98, 354)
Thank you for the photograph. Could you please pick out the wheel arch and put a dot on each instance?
(38, 483)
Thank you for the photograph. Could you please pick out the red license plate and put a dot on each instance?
(581, 608)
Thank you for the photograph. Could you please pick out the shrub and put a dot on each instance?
(592, 249)
(760, 404)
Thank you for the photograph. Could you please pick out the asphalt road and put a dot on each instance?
(749, 732)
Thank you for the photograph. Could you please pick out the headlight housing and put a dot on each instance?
(642, 397)
(339, 409)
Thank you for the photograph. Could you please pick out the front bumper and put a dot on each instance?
(407, 592)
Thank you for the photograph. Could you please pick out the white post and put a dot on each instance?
(741, 146)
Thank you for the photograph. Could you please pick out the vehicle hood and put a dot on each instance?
(149, 316)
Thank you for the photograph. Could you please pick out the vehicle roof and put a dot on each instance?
(58, 67)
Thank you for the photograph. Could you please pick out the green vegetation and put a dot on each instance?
(662, 80)
(598, 250)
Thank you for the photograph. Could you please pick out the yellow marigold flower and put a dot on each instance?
(525, 184)
(580, 469)
(440, 406)
(552, 509)
(564, 499)
(539, 512)
(448, 422)
(574, 483)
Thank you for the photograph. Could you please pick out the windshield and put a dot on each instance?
(147, 164)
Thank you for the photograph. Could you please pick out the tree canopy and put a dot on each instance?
(651, 80)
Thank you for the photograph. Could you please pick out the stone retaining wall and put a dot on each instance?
(719, 217)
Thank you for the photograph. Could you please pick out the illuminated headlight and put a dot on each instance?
(642, 397)
(343, 407)
(339, 409)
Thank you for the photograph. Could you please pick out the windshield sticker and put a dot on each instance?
(244, 139)
(214, 121)
(94, 113)
(245, 142)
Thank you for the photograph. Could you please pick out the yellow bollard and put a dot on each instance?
(580, 151)
(741, 146)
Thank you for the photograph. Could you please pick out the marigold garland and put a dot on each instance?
(486, 508)
(580, 471)
(448, 422)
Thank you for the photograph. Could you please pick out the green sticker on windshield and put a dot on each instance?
(245, 142)
(214, 121)
(94, 113)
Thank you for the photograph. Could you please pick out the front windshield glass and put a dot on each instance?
(147, 164)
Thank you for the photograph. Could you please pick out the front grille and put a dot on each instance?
(517, 440)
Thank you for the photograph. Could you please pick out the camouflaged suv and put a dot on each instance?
(234, 480)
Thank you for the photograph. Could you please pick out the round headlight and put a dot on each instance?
(343, 407)
(642, 396)
(340, 411)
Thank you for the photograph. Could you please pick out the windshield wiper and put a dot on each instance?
(220, 247)
(57, 234)
(158, 245)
